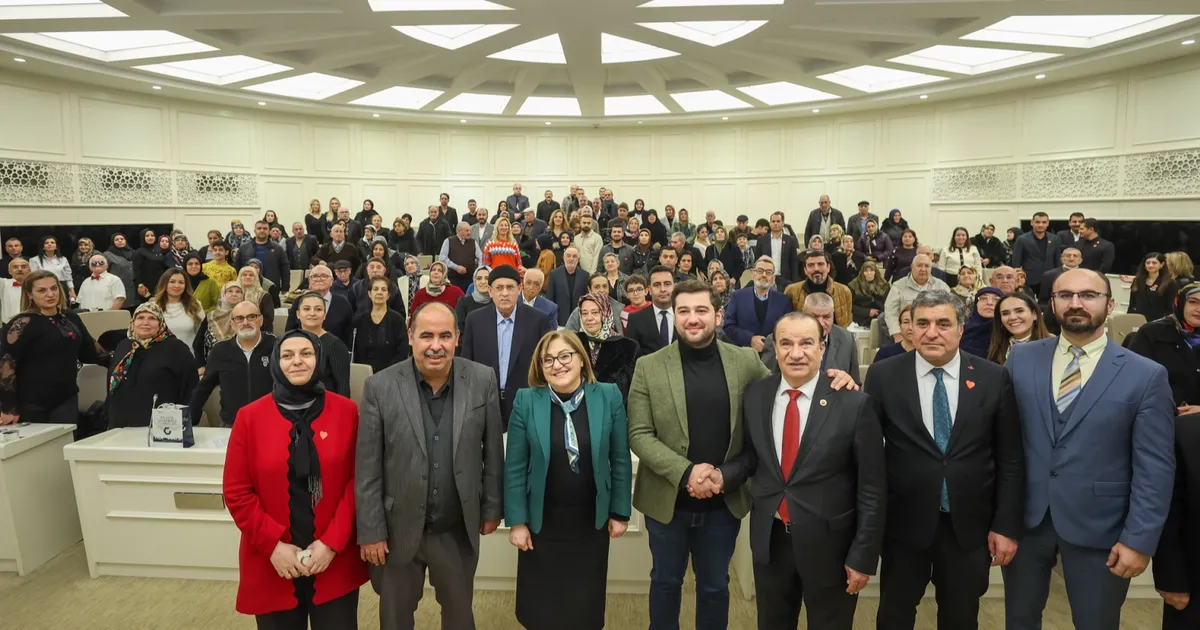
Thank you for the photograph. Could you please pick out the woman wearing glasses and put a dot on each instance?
(567, 486)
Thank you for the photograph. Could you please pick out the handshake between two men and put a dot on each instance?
(705, 481)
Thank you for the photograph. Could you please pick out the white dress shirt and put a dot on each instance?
(10, 300)
(670, 321)
(777, 252)
(58, 265)
(926, 382)
(98, 294)
(779, 410)
(181, 324)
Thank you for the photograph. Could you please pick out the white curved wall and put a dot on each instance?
(1113, 146)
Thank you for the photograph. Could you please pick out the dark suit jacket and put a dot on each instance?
(814, 222)
(480, 344)
(275, 268)
(643, 328)
(836, 492)
(1098, 254)
(1047, 287)
(338, 319)
(983, 467)
(741, 320)
(310, 244)
(559, 291)
(547, 307)
(791, 262)
(1029, 255)
(1176, 564)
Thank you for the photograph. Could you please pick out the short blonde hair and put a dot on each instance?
(1180, 265)
(537, 373)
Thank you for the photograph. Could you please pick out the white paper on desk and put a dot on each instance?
(166, 427)
(219, 443)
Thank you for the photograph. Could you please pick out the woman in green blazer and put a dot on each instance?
(567, 486)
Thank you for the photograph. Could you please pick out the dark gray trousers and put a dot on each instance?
(451, 563)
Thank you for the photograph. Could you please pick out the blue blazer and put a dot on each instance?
(1109, 477)
(528, 455)
(741, 322)
(546, 306)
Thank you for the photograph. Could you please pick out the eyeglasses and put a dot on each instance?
(564, 359)
(320, 276)
(764, 272)
(97, 263)
(1084, 296)
(241, 319)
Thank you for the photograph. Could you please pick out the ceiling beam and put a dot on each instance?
(653, 82)
(527, 81)
(587, 74)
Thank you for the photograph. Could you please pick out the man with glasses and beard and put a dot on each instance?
(240, 365)
(752, 312)
(817, 266)
(1098, 422)
(429, 473)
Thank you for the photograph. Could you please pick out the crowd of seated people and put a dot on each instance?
(600, 269)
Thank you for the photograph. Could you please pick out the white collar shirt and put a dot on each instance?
(926, 382)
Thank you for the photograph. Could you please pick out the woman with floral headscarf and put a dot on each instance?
(154, 368)
(253, 291)
(218, 326)
(237, 237)
(612, 355)
(409, 282)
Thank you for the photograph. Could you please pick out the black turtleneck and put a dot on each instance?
(707, 396)
(811, 287)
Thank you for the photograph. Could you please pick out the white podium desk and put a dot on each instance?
(135, 511)
(156, 512)
(37, 505)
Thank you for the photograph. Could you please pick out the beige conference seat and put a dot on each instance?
(747, 278)
(424, 260)
(93, 384)
(297, 276)
(100, 322)
(358, 379)
(875, 334)
(280, 323)
(1123, 324)
(212, 410)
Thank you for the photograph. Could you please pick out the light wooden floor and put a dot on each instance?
(61, 596)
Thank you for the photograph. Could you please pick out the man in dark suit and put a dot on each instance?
(653, 327)
(1098, 254)
(300, 248)
(1099, 426)
(337, 248)
(567, 283)
(531, 289)
(547, 206)
(338, 314)
(274, 259)
(816, 521)
(1177, 561)
(516, 201)
(503, 335)
(821, 219)
(1070, 258)
(956, 471)
(753, 311)
(1071, 237)
(856, 226)
(1036, 251)
(782, 248)
(429, 475)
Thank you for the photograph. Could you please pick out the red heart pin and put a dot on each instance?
(970, 385)
(325, 435)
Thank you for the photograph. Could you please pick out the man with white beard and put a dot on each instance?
(239, 364)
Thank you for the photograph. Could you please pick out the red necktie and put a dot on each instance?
(791, 445)
(16, 284)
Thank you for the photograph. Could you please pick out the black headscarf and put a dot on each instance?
(198, 278)
(149, 250)
(124, 252)
(301, 404)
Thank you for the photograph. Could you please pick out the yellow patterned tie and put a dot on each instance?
(1072, 381)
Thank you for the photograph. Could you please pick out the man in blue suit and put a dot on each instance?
(531, 294)
(753, 311)
(1098, 426)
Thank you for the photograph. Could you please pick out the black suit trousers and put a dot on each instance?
(960, 578)
(779, 591)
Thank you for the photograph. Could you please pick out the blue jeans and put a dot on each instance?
(708, 538)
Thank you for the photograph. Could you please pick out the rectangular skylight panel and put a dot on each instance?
(116, 45)
(877, 79)
(470, 103)
(710, 33)
(549, 106)
(644, 104)
(1073, 31)
(313, 86)
(708, 100)
(708, 3)
(785, 93)
(217, 70)
(436, 5)
(545, 50)
(55, 9)
(453, 36)
(970, 60)
(615, 49)
(399, 97)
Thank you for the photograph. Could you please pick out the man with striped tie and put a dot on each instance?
(954, 468)
(1099, 450)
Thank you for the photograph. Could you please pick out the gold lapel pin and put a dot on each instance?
(824, 402)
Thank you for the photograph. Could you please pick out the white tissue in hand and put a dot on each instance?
(304, 556)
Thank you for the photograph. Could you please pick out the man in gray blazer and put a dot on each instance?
(841, 352)
(430, 441)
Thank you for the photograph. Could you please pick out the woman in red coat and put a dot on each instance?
(289, 484)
